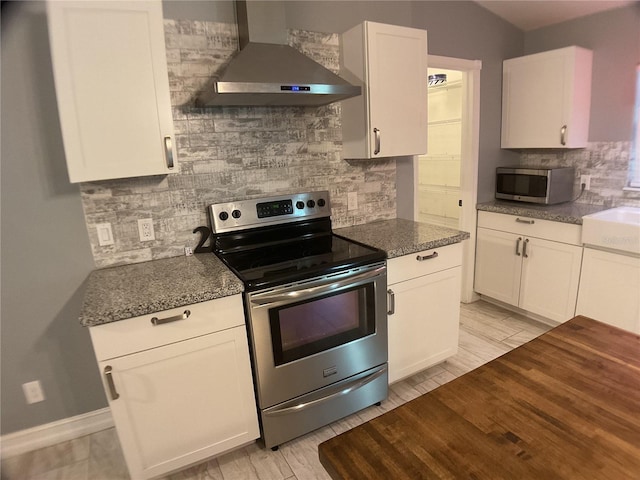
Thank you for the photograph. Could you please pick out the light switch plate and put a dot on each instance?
(105, 234)
(352, 201)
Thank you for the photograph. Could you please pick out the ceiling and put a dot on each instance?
(531, 14)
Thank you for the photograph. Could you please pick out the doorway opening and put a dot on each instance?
(439, 200)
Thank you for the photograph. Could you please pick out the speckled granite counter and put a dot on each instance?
(401, 237)
(128, 291)
(564, 212)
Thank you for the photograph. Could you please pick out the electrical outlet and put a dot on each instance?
(586, 180)
(33, 392)
(352, 201)
(145, 230)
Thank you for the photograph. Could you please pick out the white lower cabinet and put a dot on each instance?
(180, 391)
(610, 289)
(424, 309)
(530, 264)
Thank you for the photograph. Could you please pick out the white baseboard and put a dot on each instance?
(55, 432)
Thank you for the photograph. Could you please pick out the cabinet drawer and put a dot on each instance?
(531, 227)
(139, 333)
(407, 267)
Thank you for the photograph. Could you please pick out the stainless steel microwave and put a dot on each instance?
(535, 185)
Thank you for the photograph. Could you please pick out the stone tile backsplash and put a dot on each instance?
(230, 153)
(606, 162)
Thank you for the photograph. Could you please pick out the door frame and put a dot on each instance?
(407, 171)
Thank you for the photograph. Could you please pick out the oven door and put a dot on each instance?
(311, 334)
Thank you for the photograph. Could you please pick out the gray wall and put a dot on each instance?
(455, 29)
(45, 253)
(614, 37)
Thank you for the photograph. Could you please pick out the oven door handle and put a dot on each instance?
(295, 293)
(342, 391)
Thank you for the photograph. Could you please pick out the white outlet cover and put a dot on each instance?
(145, 230)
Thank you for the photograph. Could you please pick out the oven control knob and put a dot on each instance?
(321, 202)
(299, 205)
(311, 203)
(236, 214)
(223, 216)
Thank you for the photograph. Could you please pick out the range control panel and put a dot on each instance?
(243, 214)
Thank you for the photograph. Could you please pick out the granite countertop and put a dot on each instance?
(401, 237)
(569, 212)
(117, 293)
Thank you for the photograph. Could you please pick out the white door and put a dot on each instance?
(610, 289)
(112, 86)
(550, 276)
(183, 402)
(397, 89)
(498, 265)
(424, 328)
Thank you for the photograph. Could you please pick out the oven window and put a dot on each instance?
(302, 329)
(523, 185)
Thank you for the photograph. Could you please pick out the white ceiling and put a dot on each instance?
(531, 14)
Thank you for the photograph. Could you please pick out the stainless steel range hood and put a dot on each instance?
(266, 71)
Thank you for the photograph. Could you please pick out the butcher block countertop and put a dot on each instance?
(563, 406)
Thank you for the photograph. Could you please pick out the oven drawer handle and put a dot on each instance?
(343, 391)
(293, 293)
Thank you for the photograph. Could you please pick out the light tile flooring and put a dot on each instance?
(486, 332)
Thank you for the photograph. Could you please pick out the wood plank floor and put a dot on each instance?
(486, 332)
(565, 406)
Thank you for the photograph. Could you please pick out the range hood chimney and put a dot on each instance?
(266, 71)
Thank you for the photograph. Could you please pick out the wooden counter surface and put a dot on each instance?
(565, 405)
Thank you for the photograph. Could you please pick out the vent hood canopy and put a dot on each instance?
(269, 72)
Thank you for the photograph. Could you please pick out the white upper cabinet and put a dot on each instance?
(390, 117)
(110, 71)
(546, 99)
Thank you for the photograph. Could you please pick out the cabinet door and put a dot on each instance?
(609, 286)
(498, 265)
(550, 276)
(397, 64)
(112, 86)
(546, 99)
(181, 403)
(423, 330)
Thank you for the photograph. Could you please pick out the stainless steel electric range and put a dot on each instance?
(316, 311)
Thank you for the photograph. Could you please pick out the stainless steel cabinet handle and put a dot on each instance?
(391, 301)
(518, 246)
(524, 248)
(168, 151)
(528, 222)
(112, 387)
(160, 321)
(376, 133)
(427, 257)
(563, 134)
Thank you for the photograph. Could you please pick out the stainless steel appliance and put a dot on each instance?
(316, 311)
(535, 185)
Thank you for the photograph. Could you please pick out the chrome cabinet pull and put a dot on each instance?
(159, 321)
(391, 301)
(524, 248)
(112, 386)
(528, 222)
(563, 134)
(376, 133)
(427, 257)
(168, 151)
(518, 246)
